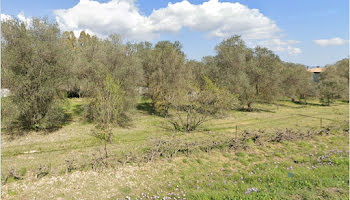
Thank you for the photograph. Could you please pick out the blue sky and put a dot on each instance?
(290, 28)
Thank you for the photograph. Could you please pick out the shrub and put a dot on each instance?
(54, 118)
(108, 109)
(9, 113)
(34, 70)
(194, 107)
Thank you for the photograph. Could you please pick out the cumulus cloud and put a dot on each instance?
(217, 19)
(20, 17)
(214, 18)
(331, 42)
(279, 45)
(5, 17)
(102, 19)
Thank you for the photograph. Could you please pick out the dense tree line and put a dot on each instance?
(42, 66)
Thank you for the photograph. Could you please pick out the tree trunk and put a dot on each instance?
(106, 154)
(188, 120)
(249, 106)
(166, 111)
(328, 101)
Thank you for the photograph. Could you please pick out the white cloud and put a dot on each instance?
(5, 17)
(217, 19)
(331, 42)
(20, 17)
(293, 50)
(26, 20)
(102, 19)
(279, 45)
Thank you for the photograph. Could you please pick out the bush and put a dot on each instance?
(196, 106)
(107, 109)
(34, 70)
(9, 114)
(109, 105)
(54, 118)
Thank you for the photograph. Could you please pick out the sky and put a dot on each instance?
(312, 32)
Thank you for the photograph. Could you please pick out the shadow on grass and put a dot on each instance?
(307, 103)
(13, 133)
(68, 117)
(243, 109)
(148, 107)
(300, 103)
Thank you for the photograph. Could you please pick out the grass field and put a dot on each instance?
(56, 165)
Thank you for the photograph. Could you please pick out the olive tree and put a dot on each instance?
(196, 105)
(253, 74)
(297, 82)
(108, 109)
(110, 56)
(334, 82)
(165, 74)
(266, 73)
(35, 71)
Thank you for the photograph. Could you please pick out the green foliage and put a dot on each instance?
(194, 107)
(9, 114)
(253, 74)
(54, 117)
(93, 57)
(107, 106)
(334, 82)
(34, 69)
(264, 74)
(23, 171)
(165, 74)
(41, 65)
(297, 82)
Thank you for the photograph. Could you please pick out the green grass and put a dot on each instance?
(220, 168)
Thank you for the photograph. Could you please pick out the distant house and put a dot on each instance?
(316, 72)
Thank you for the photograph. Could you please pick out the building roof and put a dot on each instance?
(316, 70)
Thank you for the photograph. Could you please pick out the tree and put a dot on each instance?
(334, 83)
(196, 70)
(165, 74)
(297, 82)
(123, 64)
(111, 57)
(232, 60)
(34, 71)
(85, 68)
(69, 42)
(108, 109)
(253, 74)
(342, 71)
(264, 74)
(195, 106)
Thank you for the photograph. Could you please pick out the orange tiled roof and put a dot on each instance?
(316, 70)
